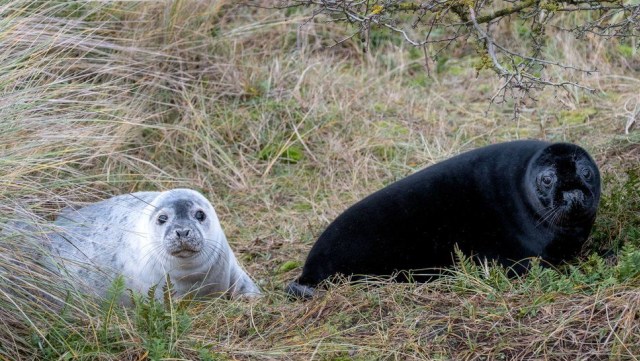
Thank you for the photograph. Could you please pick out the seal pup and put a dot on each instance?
(145, 237)
(505, 202)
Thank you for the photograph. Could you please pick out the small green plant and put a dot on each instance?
(472, 275)
(618, 222)
(111, 302)
(629, 263)
(586, 277)
(160, 323)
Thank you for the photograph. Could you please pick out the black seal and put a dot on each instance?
(505, 202)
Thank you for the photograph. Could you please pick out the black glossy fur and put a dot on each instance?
(492, 202)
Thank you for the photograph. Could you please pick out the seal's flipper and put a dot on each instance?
(298, 291)
(242, 286)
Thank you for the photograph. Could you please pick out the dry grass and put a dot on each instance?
(105, 98)
(425, 322)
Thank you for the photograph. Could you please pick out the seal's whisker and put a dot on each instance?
(548, 216)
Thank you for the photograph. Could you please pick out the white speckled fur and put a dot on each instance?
(121, 235)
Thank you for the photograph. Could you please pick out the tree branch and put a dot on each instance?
(506, 11)
(449, 23)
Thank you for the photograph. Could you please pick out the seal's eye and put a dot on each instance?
(162, 219)
(586, 173)
(200, 216)
(546, 180)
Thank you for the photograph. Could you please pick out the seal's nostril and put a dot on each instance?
(182, 233)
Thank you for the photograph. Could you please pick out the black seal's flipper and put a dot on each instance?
(298, 291)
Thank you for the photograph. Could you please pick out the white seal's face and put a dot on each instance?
(184, 224)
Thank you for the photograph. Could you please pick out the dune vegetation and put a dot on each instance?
(282, 131)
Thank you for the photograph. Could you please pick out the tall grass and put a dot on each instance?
(282, 133)
(81, 83)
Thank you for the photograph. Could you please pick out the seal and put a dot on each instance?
(505, 202)
(145, 237)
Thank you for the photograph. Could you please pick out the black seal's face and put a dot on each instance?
(566, 184)
(180, 223)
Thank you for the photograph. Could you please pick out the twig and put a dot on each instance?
(633, 116)
(490, 44)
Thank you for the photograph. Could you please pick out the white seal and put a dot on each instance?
(145, 237)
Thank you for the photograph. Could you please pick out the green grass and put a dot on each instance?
(282, 134)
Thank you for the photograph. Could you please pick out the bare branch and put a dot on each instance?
(446, 23)
(506, 11)
(490, 44)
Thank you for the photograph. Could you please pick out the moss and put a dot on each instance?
(377, 9)
(288, 154)
(626, 50)
(289, 266)
(456, 70)
(577, 116)
(391, 129)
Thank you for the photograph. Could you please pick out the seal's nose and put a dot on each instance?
(182, 232)
(573, 198)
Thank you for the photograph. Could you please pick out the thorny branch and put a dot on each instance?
(446, 22)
